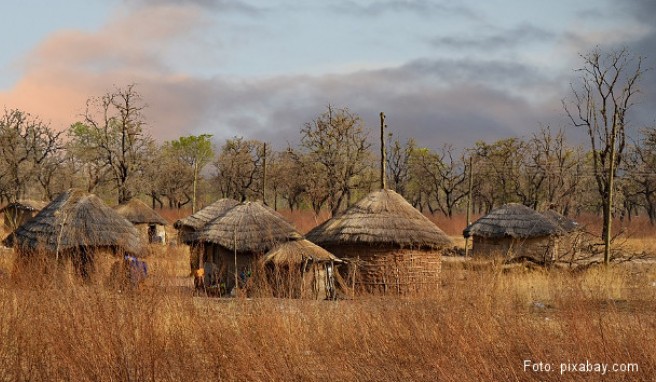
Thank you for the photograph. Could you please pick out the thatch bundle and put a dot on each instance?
(513, 220)
(138, 212)
(391, 247)
(382, 218)
(248, 227)
(76, 220)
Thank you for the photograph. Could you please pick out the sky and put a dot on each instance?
(443, 71)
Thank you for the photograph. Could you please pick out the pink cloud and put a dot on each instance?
(61, 73)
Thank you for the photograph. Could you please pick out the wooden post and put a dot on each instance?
(469, 202)
(264, 168)
(609, 205)
(383, 153)
(234, 242)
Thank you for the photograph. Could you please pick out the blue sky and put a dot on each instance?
(443, 71)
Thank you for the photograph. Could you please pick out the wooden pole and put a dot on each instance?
(383, 153)
(609, 205)
(264, 168)
(469, 202)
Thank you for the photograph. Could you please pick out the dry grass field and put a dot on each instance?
(485, 324)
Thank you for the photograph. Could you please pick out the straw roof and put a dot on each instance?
(381, 218)
(251, 226)
(138, 212)
(76, 219)
(198, 220)
(513, 220)
(27, 205)
(567, 224)
(297, 252)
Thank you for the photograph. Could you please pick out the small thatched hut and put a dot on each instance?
(234, 243)
(515, 231)
(150, 224)
(17, 213)
(301, 269)
(390, 246)
(76, 225)
(188, 228)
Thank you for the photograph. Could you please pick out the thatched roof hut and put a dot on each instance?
(391, 246)
(194, 223)
(240, 237)
(76, 220)
(17, 213)
(150, 224)
(515, 230)
(301, 269)
(382, 218)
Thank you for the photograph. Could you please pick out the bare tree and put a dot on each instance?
(240, 168)
(336, 144)
(601, 100)
(113, 135)
(26, 146)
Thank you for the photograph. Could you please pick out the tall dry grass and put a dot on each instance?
(481, 326)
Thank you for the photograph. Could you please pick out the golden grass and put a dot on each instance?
(486, 320)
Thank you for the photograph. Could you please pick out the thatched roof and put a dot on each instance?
(513, 220)
(567, 224)
(198, 220)
(381, 218)
(138, 212)
(297, 252)
(76, 219)
(26, 205)
(251, 226)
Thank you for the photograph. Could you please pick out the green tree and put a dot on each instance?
(195, 151)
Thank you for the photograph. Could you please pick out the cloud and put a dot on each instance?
(424, 8)
(236, 6)
(503, 39)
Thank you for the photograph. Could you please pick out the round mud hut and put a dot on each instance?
(389, 245)
(302, 269)
(189, 227)
(150, 224)
(515, 231)
(234, 243)
(76, 226)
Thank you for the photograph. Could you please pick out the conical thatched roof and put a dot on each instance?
(513, 220)
(27, 205)
(297, 252)
(138, 212)
(76, 219)
(567, 224)
(381, 218)
(251, 226)
(198, 220)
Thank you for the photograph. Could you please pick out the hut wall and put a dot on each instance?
(390, 270)
(309, 282)
(221, 264)
(540, 249)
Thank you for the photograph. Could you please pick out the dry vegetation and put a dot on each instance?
(485, 321)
